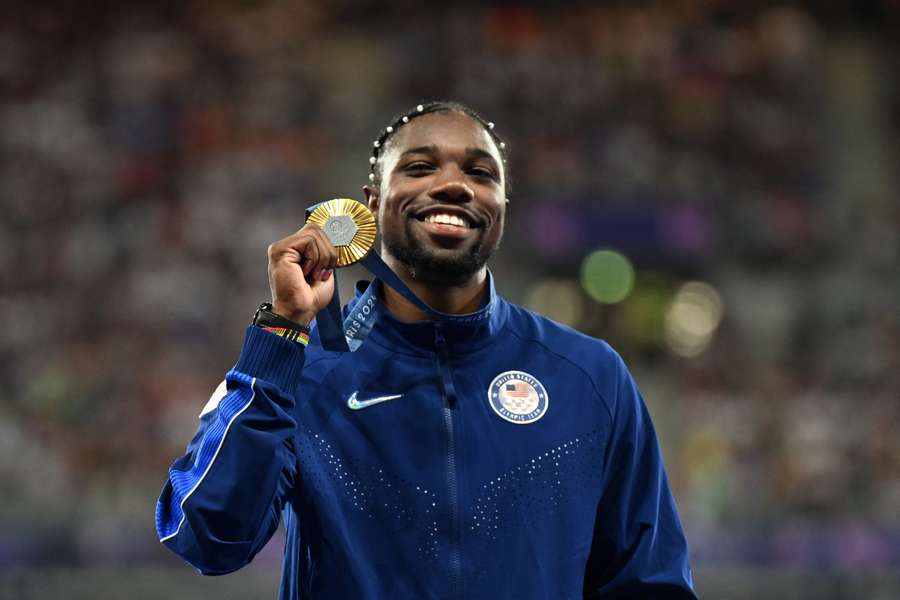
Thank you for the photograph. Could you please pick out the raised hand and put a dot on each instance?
(300, 269)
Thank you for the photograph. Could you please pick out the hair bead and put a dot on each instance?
(419, 110)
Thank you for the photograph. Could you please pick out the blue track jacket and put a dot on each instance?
(504, 457)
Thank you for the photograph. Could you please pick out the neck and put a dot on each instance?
(451, 299)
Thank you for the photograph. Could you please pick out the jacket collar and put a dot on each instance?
(463, 333)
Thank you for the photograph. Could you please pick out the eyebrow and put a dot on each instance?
(432, 149)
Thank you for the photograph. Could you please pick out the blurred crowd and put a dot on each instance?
(150, 154)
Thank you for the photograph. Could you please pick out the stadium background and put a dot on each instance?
(711, 186)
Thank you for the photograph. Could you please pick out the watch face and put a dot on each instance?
(349, 225)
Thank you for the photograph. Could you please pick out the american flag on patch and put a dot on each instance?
(518, 390)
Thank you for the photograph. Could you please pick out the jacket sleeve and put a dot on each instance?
(639, 549)
(223, 498)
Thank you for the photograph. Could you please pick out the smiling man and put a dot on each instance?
(470, 450)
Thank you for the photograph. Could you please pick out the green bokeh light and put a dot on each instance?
(607, 276)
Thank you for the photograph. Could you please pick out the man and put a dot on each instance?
(474, 450)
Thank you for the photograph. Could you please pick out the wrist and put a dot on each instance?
(300, 317)
(280, 325)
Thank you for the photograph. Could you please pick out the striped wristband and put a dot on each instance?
(295, 335)
(280, 326)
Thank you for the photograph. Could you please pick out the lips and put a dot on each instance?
(447, 225)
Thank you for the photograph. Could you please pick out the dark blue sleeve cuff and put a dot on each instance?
(271, 358)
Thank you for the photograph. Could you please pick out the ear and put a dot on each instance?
(371, 193)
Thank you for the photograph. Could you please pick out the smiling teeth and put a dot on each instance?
(445, 219)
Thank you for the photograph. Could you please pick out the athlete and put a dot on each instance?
(470, 450)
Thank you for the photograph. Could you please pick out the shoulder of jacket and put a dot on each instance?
(593, 356)
(562, 339)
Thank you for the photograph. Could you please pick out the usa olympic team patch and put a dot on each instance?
(518, 397)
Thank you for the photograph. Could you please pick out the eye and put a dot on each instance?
(483, 173)
(418, 167)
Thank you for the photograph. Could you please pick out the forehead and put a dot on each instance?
(447, 131)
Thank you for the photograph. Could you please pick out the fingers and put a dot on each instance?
(310, 248)
(326, 253)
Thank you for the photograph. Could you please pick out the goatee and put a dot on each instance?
(427, 266)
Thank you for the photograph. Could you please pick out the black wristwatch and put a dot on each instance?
(264, 317)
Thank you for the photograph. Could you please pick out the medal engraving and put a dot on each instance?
(340, 230)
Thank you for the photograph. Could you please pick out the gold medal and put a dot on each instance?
(349, 225)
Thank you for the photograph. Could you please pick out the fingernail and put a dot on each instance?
(326, 274)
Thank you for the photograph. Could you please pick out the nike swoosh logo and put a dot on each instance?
(355, 404)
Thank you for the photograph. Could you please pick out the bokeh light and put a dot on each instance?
(607, 276)
(692, 318)
(559, 299)
(642, 316)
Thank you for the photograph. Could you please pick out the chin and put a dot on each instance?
(439, 266)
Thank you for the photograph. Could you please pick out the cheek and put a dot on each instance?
(388, 219)
(500, 226)
(497, 234)
(500, 215)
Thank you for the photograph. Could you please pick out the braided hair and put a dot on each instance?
(438, 106)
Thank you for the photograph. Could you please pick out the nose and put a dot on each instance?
(451, 186)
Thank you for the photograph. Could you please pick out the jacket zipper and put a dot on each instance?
(449, 400)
